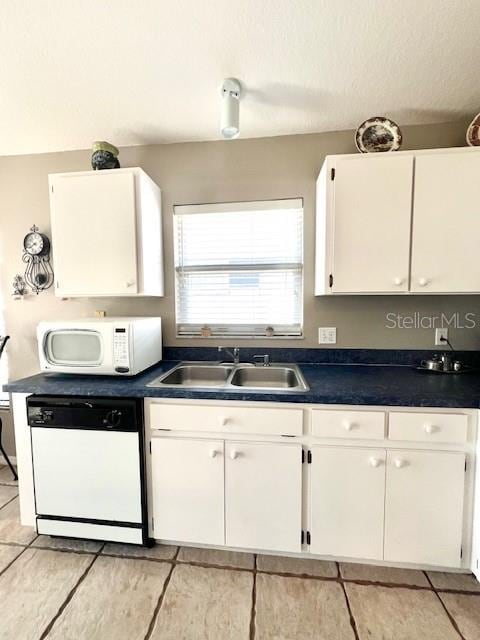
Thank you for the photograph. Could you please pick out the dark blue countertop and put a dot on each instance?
(356, 384)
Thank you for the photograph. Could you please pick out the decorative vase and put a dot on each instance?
(104, 156)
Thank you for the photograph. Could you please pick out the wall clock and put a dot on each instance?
(36, 255)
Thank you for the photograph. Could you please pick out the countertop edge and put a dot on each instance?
(354, 385)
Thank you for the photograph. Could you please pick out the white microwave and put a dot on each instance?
(103, 346)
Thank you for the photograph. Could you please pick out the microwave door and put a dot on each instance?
(71, 348)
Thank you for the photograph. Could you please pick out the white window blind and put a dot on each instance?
(239, 269)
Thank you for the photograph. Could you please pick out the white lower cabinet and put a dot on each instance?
(397, 505)
(347, 495)
(241, 494)
(398, 501)
(263, 495)
(424, 507)
(188, 490)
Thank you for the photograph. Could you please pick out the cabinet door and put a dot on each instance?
(94, 234)
(263, 495)
(446, 223)
(371, 227)
(347, 492)
(188, 490)
(424, 507)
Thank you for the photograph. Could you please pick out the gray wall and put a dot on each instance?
(263, 168)
(8, 439)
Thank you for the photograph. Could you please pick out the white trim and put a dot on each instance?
(314, 556)
(225, 207)
(407, 152)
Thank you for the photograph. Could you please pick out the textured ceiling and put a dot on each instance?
(149, 71)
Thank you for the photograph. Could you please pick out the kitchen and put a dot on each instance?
(355, 556)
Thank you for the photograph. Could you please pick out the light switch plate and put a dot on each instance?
(327, 335)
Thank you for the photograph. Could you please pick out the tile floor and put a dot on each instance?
(82, 590)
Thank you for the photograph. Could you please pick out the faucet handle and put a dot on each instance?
(265, 358)
(235, 354)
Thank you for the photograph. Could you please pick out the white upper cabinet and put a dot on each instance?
(446, 223)
(402, 222)
(106, 233)
(371, 227)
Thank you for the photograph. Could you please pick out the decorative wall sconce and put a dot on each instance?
(19, 287)
(36, 255)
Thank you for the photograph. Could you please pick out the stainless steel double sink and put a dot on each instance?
(229, 377)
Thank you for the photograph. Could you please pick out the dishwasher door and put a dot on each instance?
(87, 474)
(89, 467)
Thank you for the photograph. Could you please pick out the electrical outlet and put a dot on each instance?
(327, 335)
(439, 334)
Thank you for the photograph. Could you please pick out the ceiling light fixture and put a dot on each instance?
(230, 120)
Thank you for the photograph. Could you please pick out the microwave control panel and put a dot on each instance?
(120, 349)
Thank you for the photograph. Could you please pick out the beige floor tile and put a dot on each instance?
(7, 494)
(217, 557)
(298, 609)
(298, 566)
(67, 544)
(465, 610)
(116, 601)
(7, 554)
(34, 587)
(6, 476)
(386, 613)
(205, 604)
(456, 581)
(158, 552)
(389, 575)
(10, 528)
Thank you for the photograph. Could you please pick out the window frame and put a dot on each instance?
(239, 330)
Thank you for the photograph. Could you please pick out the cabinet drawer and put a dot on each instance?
(366, 425)
(226, 419)
(428, 427)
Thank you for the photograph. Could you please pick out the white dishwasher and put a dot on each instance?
(88, 466)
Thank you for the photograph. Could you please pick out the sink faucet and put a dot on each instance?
(235, 354)
(265, 359)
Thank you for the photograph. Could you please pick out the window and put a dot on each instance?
(239, 269)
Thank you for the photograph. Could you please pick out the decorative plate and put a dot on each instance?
(378, 134)
(473, 132)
